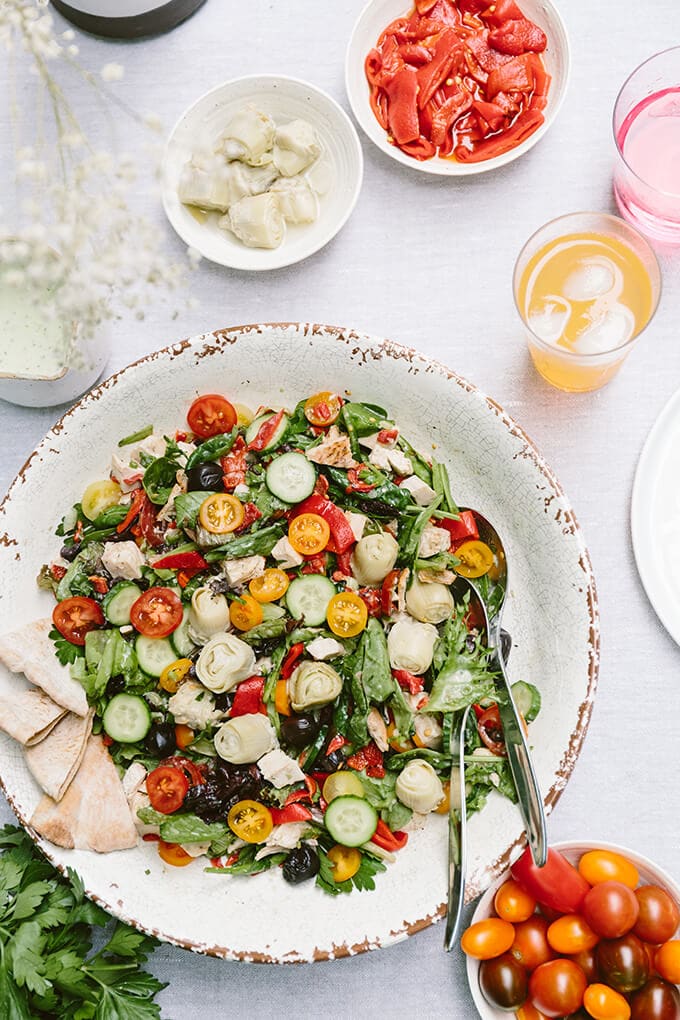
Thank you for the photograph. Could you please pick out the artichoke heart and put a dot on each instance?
(224, 662)
(312, 685)
(419, 787)
(245, 739)
(429, 603)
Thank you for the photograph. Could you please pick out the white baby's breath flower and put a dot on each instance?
(112, 72)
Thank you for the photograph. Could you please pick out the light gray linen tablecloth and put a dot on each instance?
(429, 262)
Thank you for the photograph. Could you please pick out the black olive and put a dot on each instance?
(205, 477)
(332, 762)
(116, 685)
(222, 701)
(160, 740)
(69, 552)
(301, 864)
(506, 645)
(299, 730)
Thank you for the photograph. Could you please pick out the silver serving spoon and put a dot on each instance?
(457, 831)
(519, 757)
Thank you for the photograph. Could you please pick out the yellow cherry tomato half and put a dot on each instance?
(603, 1003)
(244, 415)
(270, 586)
(323, 408)
(347, 614)
(342, 784)
(571, 934)
(512, 903)
(245, 612)
(308, 534)
(221, 513)
(172, 675)
(98, 497)
(184, 735)
(172, 853)
(476, 559)
(605, 866)
(488, 939)
(345, 862)
(444, 806)
(250, 821)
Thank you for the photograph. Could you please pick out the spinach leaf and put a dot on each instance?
(211, 449)
(442, 486)
(159, 476)
(75, 580)
(463, 677)
(191, 829)
(410, 533)
(187, 505)
(265, 631)
(396, 816)
(421, 466)
(437, 759)
(257, 543)
(362, 420)
(376, 672)
(379, 792)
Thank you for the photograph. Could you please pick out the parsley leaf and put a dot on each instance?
(65, 651)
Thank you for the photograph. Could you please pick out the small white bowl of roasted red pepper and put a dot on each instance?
(594, 935)
(457, 87)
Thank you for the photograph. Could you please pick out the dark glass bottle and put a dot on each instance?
(126, 19)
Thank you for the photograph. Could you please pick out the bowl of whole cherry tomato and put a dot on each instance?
(594, 935)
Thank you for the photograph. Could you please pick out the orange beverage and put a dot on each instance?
(586, 285)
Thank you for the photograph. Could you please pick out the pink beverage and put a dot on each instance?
(647, 135)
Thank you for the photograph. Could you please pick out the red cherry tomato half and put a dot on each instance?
(611, 909)
(167, 787)
(490, 729)
(156, 613)
(211, 415)
(75, 617)
(556, 988)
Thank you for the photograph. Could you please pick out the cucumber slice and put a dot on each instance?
(154, 654)
(307, 598)
(180, 639)
(279, 432)
(527, 700)
(127, 718)
(119, 601)
(291, 477)
(351, 820)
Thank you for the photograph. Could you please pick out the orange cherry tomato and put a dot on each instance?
(603, 1003)
(345, 861)
(210, 415)
(529, 1012)
(322, 408)
(250, 821)
(245, 612)
(476, 559)
(172, 675)
(487, 939)
(309, 534)
(512, 903)
(347, 614)
(184, 735)
(221, 513)
(282, 698)
(571, 934)
(667, 961)
(270, 586)
(606, 866)
(172, 853)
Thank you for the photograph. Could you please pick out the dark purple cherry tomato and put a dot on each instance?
(503, 982)
(657, 1000)
(623, 963)
(659, 916)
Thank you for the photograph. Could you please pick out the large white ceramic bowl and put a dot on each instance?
(338, 172)
(552, 616)
(650, 874)
(373, 20)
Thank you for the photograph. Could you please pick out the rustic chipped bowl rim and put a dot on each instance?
(370, 348)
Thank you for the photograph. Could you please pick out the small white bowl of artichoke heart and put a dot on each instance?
(261, 172)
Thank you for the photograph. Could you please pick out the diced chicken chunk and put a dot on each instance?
(127, 477)
(123, 559)
(428, 731)
(194, 706)
(282, 837)
(167, 511)
(422, 493)
(279, 769)
(357, 523)
(390, 459)
(286, 555)
(433, 540)
(436, 576)
(322, 648)
(243, 569)
(138, 800)
(335, 450)
(400, 462)
(389, 439)
(377, 729)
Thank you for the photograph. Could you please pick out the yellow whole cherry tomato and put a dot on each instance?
(245, 613)
(605, 866)
(604, 1003)
(309, 534)
(487, 939)
(444, 805)
(345, 862)
(667, 961)
(99, 496)
(512, 903)
(172, 853)
(270, 586)
(476, 559)
(250, 821)
(347, 614)
(323, 408)
(282, 698)
(172, 675)
(221, 513)
(571, 934)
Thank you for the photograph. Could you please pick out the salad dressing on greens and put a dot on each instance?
(262, 618)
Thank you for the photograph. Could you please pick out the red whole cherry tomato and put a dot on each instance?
(603, 1003)
(157, 612)
(611, 909)
(211, 415)
(490, 729)
(75, 617)
(558, 884)
(571, 933)
(667, 961)
(531, 947)
(659, 916)
(487, 938)
(623, 963)
(167, 787)
(606, 866)
(503, 982)
(556, 988)
(512, 903)
(656, 1000)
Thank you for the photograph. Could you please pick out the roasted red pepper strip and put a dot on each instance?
(525, 125)
(449, 112)
(356, 484)
(504, 10)
(234, 465)
(297, 795)
(341, 533)
(448, 49)
(290, 661)
(388, 840)
(290, 813)
(408, 681)
(265, 432)
(372, 599)
(515, 76)
(248, 697)
(462, 530)
(336, 743)
(489, 115)
(472, 6)
(135, 507)
(369, 758)
(520, 36)
(184, 576)
(251, 513)
(413, 53)
(402, 111)
(148, 526)
(315, 564)
(389, 591)
(181, 561)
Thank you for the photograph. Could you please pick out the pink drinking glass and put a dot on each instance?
(647, 136)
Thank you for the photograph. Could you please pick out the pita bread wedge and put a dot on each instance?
(55, 760)
(93, 813)
(28, 716)
(30, 651)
